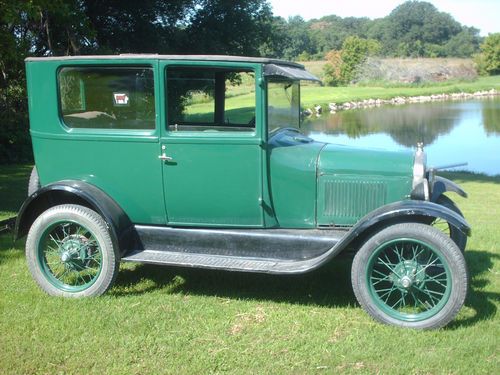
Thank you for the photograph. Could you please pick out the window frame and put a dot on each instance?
(253, 132)
(111, 64)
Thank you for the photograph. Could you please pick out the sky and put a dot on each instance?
(482, 14)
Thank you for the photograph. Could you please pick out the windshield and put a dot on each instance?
(283, 105)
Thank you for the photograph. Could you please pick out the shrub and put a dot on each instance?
(342, 66)
(332, 68)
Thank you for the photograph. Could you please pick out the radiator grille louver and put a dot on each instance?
(347, 199)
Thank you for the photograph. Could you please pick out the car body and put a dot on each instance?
(199, 161)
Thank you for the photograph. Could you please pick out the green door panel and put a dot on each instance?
(129, 172)
(213, 184)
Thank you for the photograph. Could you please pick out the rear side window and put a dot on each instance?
(107, 98)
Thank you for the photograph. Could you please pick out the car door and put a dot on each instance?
(210, 144)
(97, 120)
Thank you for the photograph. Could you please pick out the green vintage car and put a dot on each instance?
(199, 161)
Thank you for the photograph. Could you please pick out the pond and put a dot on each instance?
(452, 131)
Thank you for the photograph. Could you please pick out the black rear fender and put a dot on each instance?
(76, 192)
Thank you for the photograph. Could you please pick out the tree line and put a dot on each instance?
(412, 29)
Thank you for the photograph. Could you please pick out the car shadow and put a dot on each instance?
(7, 243)
(328, 286)
(479, 302)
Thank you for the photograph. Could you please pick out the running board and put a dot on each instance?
(254, 250)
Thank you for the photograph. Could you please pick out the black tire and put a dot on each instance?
(70, 252)
(456, 234)
(34, 182)
(425, 299)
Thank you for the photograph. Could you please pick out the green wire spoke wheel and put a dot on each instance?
(410, 275)
(70, 252)
(70, 256)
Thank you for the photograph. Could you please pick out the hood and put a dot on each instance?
(340, 159)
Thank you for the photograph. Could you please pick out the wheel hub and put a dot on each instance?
(406, 274)
(65, 257)
(406, 282)
(71, 249)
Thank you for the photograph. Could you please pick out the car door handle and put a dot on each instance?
(165, 157)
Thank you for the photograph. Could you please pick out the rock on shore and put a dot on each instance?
(369, 103)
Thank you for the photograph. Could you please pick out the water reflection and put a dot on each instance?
(491, 117)
(468, 129)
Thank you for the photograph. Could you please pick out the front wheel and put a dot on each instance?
(70, 252)
(410, 275)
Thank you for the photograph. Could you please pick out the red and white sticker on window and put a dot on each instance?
(120, 98)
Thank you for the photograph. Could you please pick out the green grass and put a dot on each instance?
(13, 188)
(313, 94)
(323, 95)
(167, 320)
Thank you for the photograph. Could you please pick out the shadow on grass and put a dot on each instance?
(329, 286)
(482, 302)
(7, 243)
(13, 186)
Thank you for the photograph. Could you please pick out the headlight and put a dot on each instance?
(421, 189)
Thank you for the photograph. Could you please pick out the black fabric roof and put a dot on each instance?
(272, 67)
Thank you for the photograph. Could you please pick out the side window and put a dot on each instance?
(107, 98)
(214, 99)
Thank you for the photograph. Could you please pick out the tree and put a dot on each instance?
(355, 51)
(414, 26)
(489, 59)
(342, 66)
(329, 32)
(277, 40)
(299, 38)
(237, 27)
(146, 26)
(463, 44)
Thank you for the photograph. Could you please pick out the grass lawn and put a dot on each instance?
(176, 321)
(315, 94)
(13, 188)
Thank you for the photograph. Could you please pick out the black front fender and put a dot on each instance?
(75, 192)
(399, 212)
(406, 210)
(441, 185)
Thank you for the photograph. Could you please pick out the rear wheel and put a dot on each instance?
(70, 252)
(410, 275)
